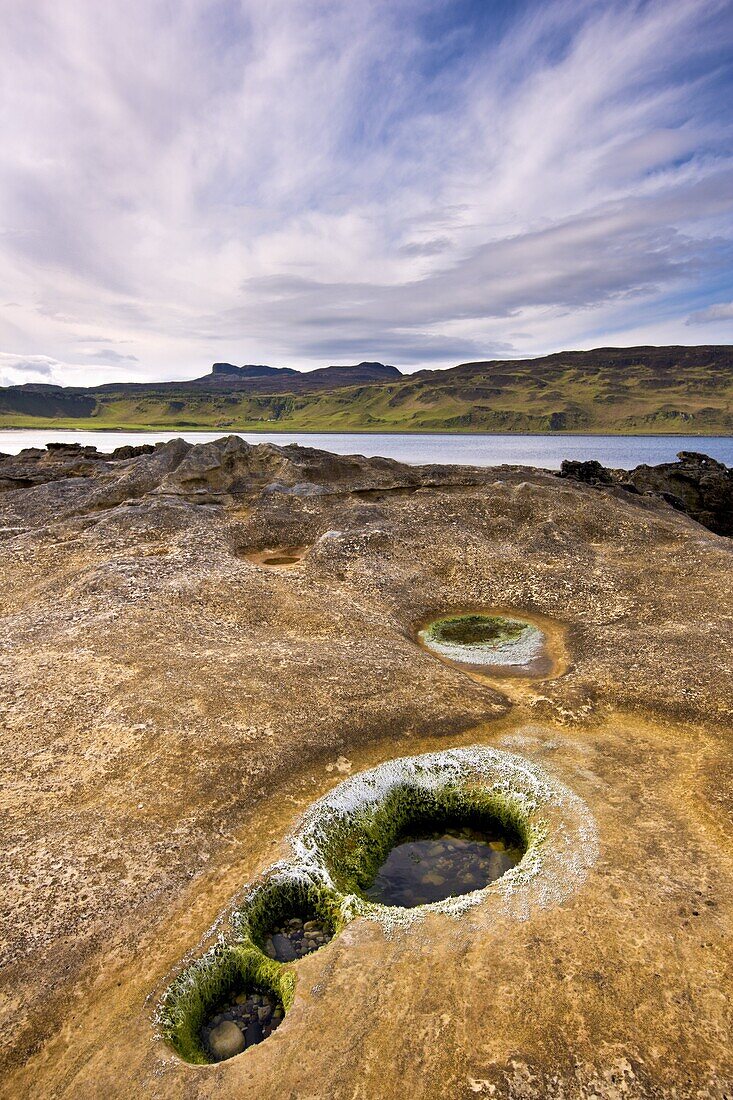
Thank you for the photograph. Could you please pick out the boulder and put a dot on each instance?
(591, 472)
(226, 1040)
(283, 948)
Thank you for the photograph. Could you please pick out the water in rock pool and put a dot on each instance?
(432, 867)
(296, 937)
(240, 1021)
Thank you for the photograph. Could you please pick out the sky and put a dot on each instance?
(306, 182)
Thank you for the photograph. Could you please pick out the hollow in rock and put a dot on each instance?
(488, 643)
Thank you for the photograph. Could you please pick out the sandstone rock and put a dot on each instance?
(158, 704)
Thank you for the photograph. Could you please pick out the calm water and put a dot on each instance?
(548, 451)
(441, 865)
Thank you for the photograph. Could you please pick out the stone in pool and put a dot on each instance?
(226, 1040)
(431, 867)
(284, 950)
(239, 1022)
(296, 937)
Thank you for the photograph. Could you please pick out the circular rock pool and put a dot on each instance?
(488, 642)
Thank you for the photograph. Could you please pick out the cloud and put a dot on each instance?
(110, 356)
(432, 247)
(408, 348)
(417, 180)
(721, 311)
(16, 370)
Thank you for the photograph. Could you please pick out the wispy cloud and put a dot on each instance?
(722, 311)
(417, 180)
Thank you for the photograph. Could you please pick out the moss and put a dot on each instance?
(281, 896)
(207, 982)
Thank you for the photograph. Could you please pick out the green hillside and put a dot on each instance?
(627, 391)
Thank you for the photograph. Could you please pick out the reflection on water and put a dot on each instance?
(436, 866)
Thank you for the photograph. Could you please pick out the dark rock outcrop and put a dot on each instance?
(120, 454)
(591, 472)
(696, 484)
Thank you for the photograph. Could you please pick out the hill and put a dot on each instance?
(645, 390)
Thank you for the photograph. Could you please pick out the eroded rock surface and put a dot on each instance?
(170, 707)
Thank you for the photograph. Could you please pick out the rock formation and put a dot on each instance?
(171, 707)
(695, 484)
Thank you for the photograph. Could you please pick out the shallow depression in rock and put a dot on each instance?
(276, 557)
(483, 641)
(430, 866)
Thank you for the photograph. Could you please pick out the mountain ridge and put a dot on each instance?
(640, 390)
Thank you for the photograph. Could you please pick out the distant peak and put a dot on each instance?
(224, 368)
(381, 370)
(249, 370)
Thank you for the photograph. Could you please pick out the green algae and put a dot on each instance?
(477, 639)
(475, 629)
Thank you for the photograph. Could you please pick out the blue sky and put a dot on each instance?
(303, 182)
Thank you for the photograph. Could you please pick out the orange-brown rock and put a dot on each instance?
(170, 707)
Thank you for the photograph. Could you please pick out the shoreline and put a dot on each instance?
(368, 432)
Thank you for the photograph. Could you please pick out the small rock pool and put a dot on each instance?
(498, 644)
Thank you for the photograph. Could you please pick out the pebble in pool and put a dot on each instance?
(240, 1022)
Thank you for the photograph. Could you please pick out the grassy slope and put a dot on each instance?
(693, 401)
